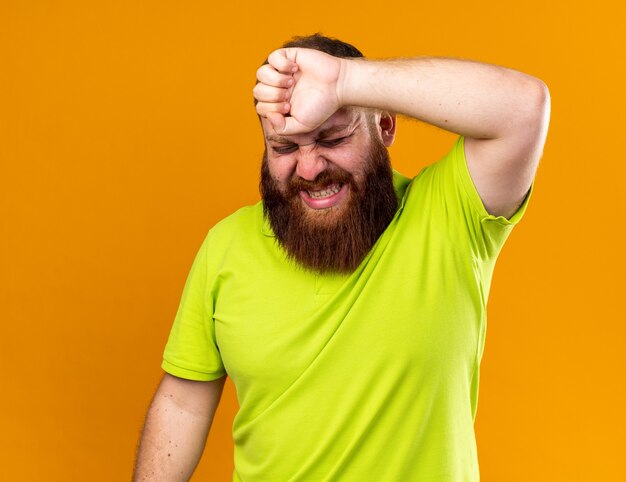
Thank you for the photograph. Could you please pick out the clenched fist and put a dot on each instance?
(299, 89)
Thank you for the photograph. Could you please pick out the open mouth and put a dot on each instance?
(326, 197)
(326, 192)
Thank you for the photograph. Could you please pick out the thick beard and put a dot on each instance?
(334, 239)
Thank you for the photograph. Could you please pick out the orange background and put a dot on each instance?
(127, 130)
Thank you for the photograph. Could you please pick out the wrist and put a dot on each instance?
(353, 72)
(348, 72)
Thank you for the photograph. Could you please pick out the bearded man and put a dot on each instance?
(348, 307)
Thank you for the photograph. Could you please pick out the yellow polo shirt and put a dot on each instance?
(371, 376)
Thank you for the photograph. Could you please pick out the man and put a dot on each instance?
(349, 307)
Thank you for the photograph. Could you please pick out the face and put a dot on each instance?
(328, 194)
(337, 149)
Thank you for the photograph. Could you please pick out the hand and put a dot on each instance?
(299, 89)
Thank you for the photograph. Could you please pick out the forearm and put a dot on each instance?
(175, 431)
(469, 98)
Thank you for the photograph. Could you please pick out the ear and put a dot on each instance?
(387, 127)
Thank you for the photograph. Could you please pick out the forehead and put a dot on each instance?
(344, 119)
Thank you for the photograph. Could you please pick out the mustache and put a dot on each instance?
(339, 241)
(323, 179)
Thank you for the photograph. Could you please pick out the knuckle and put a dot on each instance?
(260, 75)
(257, 91)
(271, 58)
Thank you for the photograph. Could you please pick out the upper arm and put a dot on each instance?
(503, 169)
(193, 397)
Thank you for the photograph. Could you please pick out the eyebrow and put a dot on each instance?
(322, 135)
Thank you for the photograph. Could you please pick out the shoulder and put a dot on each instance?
(246, 220)
(236, 232)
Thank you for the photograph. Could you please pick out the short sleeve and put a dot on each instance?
(486, 231)
(191, 351)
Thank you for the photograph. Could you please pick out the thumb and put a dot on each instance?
(291, 126)
(277, 120)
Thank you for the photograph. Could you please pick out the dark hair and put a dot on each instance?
(328, 45)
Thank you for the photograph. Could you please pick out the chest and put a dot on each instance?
(412, 309)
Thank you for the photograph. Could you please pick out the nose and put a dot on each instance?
(310, 163)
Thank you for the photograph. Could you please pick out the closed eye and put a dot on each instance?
(333, 142)
(284, 149)
(326, 143)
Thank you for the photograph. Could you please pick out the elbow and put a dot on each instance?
(538, 105)
(533, 110)
(535, 127)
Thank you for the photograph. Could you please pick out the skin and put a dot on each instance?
(341, 141)
(301, 93)
(176, 428)
(502, 113)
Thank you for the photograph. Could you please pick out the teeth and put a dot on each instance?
(328, 191)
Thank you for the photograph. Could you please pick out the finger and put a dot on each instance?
(278, 59)
(263, 108)
(265, 93)
(267, 74)
(289, 125)
(277, 121)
